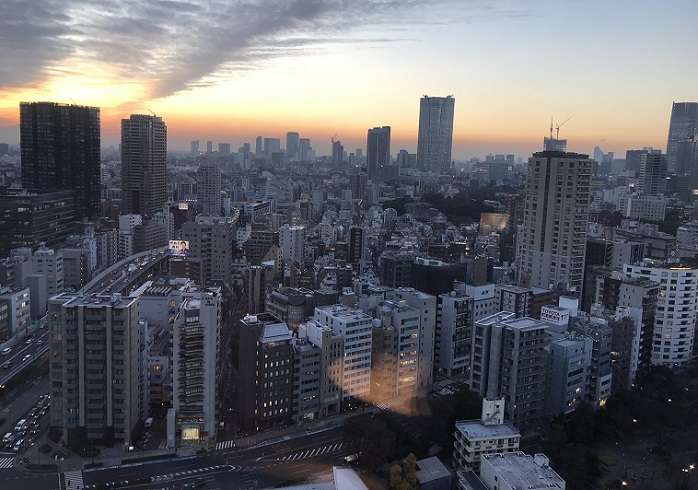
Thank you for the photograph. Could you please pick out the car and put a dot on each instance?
(6, 351)
(7, 365)
(29, 341)
(18, 445)
(39, 342)
(27, 357)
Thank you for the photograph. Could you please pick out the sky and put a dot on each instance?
(230, 70)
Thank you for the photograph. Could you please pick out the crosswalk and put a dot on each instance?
(225, 445)
(310, 453)
(445, 382)
(6, 462)
(383, 406)
(73, 479)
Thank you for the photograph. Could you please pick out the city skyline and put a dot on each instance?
(227, 73)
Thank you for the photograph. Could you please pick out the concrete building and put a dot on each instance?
(196, 369)
(511, 471)
(426, 304)
(435, 137)
(516, 373)
(143, 165)
(307, 380)
(674, 327)
(509, 297)
(570, 359)
(331, 345)
(265, 373)
(453, 333)
(552, 240)
(395, 351)
(212, 241)
(646, 207)
(355, 327)
(489, 435)
(291, 305)
(292, 242)
(208, 180)
(95, 367)
(653, 171)
(18, 310)
(49, 263)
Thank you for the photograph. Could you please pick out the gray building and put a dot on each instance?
(95, 367)
(212, 241)
(516, 373)
(435, 138)
(453, 333)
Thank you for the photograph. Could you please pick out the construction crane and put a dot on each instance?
(333, 138)
(557, 128)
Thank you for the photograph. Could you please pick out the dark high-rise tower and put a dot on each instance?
(378, 151)
(143, 165)
(435, 134)
(61, 150)
(683, 136)
(292, 146)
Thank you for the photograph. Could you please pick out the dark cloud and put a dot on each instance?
(175, 45)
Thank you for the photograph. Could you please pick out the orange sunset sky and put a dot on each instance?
(229, 71)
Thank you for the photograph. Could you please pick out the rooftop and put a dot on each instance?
(431, 469)
(520, 470)
(475, 429)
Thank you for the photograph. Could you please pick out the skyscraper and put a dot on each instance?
(683, 136)
(435, 134)
(60, 147)
(378, 151)
(337, 153)
(653, 170)
(208, 184)
(143, 165)
(292, 146)
(552, 242)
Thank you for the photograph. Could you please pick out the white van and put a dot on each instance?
(6, 351)
(9, 438)
(20, 425)
(149, 422)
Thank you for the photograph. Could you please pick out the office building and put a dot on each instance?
(208, 184)
(674, 325)
(30, 218)
(681, 143)
(292, 146)
(265, 372)
(307, 376)
(552, 240)
(143, 165)
(196, 368)
(224, 149)
(337, 153)
(653, 172)
(331, 344)
(17, 311)
(488, 435)
(212, 242)
(271, 146)
(426, 305)
(194, 147)
(292, 242)
(60, 147)
(95, 367)
(516, 373)
(378, 152)
(435, 137)
(570, 359)
(355, 327)
(49, 263)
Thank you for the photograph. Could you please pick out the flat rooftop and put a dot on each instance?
(475, 429)
(519, 469)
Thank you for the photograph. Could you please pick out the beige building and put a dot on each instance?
(552, 240)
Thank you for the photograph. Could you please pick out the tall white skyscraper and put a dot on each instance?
(552, 241)
(435, 134)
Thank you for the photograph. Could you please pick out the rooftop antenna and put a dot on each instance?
(551, 127)
(557, 128)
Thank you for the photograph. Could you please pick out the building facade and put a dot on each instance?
(552, 240)
(60, 146)
(435, 138)
(143, 165)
